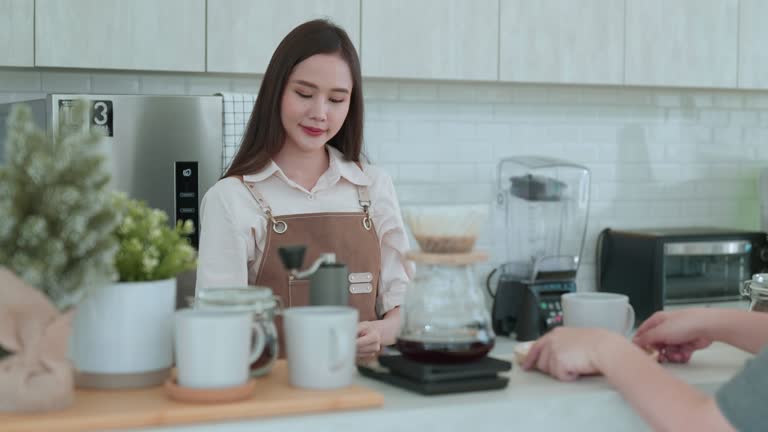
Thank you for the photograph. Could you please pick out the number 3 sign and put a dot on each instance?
(101, 116)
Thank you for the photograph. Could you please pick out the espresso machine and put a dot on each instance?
(542, 206)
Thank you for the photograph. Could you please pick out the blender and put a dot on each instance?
(543, 206)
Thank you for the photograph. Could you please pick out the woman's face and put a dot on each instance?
(316, 101)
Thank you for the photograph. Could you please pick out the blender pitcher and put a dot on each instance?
(545, 203)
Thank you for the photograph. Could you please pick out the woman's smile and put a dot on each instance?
(312, 131)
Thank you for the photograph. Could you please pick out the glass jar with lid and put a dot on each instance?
(445, 319)
(757, 290)
(257, 300)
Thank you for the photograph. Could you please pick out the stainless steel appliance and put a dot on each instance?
(544, 204)
(657, 267)
(165, 150)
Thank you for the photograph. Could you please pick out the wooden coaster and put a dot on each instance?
(521, 351)
(208, 395)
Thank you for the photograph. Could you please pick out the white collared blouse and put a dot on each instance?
(233, 227)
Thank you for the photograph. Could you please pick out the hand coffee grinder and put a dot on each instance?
(542, 206)
(328, 285)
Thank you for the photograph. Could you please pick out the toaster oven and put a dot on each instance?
(658, 267)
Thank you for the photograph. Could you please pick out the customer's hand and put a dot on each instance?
(567, 353)
(369, 339)
(675, 334)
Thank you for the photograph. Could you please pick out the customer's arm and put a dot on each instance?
(683, 331)
(664, 401)
(742, 329)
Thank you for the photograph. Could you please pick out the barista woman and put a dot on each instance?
(298, 179)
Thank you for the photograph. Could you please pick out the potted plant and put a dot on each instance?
(123, 334)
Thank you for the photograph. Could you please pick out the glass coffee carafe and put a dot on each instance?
(445, 319)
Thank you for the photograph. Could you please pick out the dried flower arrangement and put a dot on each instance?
(57, 220)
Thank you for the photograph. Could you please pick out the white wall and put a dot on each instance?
(659, 157)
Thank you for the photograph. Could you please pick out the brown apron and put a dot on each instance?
(351, 236)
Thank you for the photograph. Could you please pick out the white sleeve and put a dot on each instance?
(223, 249)
(396, 272)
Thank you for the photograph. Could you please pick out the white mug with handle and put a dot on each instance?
(610, 311)
(320, 345)
(215, 349)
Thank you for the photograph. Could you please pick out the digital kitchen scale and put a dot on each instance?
(432, 378)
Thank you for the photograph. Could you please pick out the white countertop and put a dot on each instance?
(531, 400)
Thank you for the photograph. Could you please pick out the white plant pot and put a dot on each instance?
(122, 335)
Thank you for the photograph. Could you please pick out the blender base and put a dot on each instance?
(529, 309)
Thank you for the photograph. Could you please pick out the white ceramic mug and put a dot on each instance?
(598, 309)
(214, 349)
(320, 345)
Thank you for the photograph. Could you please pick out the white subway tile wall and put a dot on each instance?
(659, 157)
(115, 84)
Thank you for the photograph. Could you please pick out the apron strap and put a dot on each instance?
(365, 202)
(278, 226)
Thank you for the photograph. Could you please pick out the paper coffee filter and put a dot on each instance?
(445, 222)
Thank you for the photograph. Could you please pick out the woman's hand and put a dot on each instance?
(567, 353)
(369, 339)
(372, 336)
(675, 334)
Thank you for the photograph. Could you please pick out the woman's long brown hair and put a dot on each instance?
(264, 135)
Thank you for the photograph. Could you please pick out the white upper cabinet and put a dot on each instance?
(431, 39)
(243, 34)
(688, 43)
(753, 44)
(562, 41)
(16, 32)
(121, 34)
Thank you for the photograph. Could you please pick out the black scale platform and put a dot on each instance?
(433, 378)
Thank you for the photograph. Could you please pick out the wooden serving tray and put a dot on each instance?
(273, 396)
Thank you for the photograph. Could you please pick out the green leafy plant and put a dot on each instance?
(149, 249)
(56, 217)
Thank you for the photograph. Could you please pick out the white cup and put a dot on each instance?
(598, 309)
(320, 345)
(214, 349)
